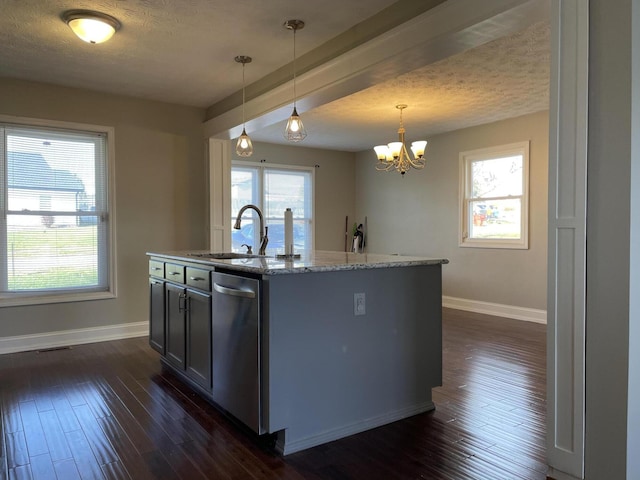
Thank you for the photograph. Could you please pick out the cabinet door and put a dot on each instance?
(156, 315)
(176, 298)
(198, 361)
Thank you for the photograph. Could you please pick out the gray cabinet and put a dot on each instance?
(157, 321)
(180, 318)
(176, 299)
(156, 315)
(198, 337)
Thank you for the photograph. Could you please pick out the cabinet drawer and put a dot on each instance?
(199, 278)
(156, 268)
(174, 272)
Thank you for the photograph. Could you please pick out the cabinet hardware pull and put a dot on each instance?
(235, 292)
(197, 279)
(156, 268)
(174, 273)
(182, 303)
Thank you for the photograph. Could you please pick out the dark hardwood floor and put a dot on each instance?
(108, 411)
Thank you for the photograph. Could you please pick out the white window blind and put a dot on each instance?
(54, 232)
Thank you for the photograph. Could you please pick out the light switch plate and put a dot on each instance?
(359, 304)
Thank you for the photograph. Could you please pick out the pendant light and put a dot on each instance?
(244, 147)
(295, 131)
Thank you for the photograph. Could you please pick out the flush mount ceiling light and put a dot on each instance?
(244, 147)
(294, 132)
(90, 26)
(395, 156)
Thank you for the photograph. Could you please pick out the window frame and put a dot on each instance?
(261, 168)
(466, 159)
(39, 297)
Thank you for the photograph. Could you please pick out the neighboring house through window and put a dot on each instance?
(273, 189)
(55, 230)
(494, 197)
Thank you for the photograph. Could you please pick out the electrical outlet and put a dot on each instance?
(359, 304)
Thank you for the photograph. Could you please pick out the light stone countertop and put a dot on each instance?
(316, 261)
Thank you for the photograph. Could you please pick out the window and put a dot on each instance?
(55, 228)
(494, 190)
(273, 189)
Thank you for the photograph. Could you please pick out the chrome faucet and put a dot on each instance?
(264, 239)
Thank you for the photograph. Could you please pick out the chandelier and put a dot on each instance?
(395, 156)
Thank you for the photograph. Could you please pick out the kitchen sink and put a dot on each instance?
(225, 255)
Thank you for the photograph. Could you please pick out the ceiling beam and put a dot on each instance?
(449, 28)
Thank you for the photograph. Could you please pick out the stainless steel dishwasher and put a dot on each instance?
(236, 347)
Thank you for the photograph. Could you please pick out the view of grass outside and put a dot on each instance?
(50, 258)
(55, 209)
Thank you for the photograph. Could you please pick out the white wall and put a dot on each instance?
(612, 422)
(334, 182)
(419, 214)
(161, 196)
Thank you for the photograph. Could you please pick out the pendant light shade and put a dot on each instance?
(91, 27)
(294, 131)
(244, 146)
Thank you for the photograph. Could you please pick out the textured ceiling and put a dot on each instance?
(182, 52)
(502, 79)
(177, 51)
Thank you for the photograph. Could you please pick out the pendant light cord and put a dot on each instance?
(243, 122)
(294, 68)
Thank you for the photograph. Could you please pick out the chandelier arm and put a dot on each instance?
(384, 166)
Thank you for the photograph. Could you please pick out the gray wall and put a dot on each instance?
(334, 181)
(419, 214)
(161, 194)
(613, 224)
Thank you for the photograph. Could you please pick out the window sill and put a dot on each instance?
(489, 243)
(17, 300)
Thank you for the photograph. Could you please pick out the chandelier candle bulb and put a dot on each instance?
(288, 232)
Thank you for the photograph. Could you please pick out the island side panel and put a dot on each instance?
(329, 373)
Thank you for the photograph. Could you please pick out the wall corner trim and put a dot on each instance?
(497, 309)
(64, 338)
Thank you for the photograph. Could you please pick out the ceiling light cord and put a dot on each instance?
(294, 69)
(243, 120)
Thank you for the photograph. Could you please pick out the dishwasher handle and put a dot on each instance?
(235, 292)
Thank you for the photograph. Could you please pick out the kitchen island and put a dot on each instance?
(311, 349)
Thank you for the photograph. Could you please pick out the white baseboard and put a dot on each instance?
(287, 447)
(497, 309)
(24, 343)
